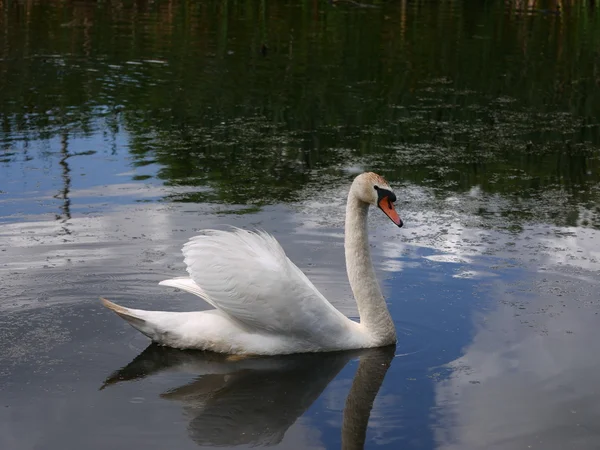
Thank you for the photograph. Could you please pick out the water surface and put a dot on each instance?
(129, 126)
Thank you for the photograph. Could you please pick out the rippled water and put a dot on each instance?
(126, 127)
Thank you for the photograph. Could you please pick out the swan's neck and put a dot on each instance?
(367, 381)
(373, 311)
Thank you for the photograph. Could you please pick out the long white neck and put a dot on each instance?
(372, 309)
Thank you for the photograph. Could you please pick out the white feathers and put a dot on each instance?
(248, 276)
(188, 285)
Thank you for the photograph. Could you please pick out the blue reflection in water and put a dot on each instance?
(47, 175)
(434, 311)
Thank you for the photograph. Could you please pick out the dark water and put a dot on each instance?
(129, 126)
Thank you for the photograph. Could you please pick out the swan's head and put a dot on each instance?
(374, 190)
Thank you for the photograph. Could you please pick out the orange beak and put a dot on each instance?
(388, 208)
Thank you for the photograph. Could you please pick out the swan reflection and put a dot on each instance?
(254, 401)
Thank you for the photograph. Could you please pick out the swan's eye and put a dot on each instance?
(385, 193)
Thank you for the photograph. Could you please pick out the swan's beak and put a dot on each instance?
(388, 208)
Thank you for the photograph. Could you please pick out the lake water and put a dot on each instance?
(127, 126)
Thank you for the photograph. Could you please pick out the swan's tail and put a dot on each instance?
(137, 318)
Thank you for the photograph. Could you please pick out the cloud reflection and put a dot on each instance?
(529, 377)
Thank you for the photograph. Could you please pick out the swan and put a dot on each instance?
(263, 303)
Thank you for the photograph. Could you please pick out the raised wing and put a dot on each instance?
(187, 284)
(248, 276)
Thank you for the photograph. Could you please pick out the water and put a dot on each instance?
(129, 126)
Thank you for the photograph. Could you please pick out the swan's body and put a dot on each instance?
(264, 304)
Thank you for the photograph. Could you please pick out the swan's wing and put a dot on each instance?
(248, 276)
(187, 284)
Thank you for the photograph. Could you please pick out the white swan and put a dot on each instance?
(264, 304)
